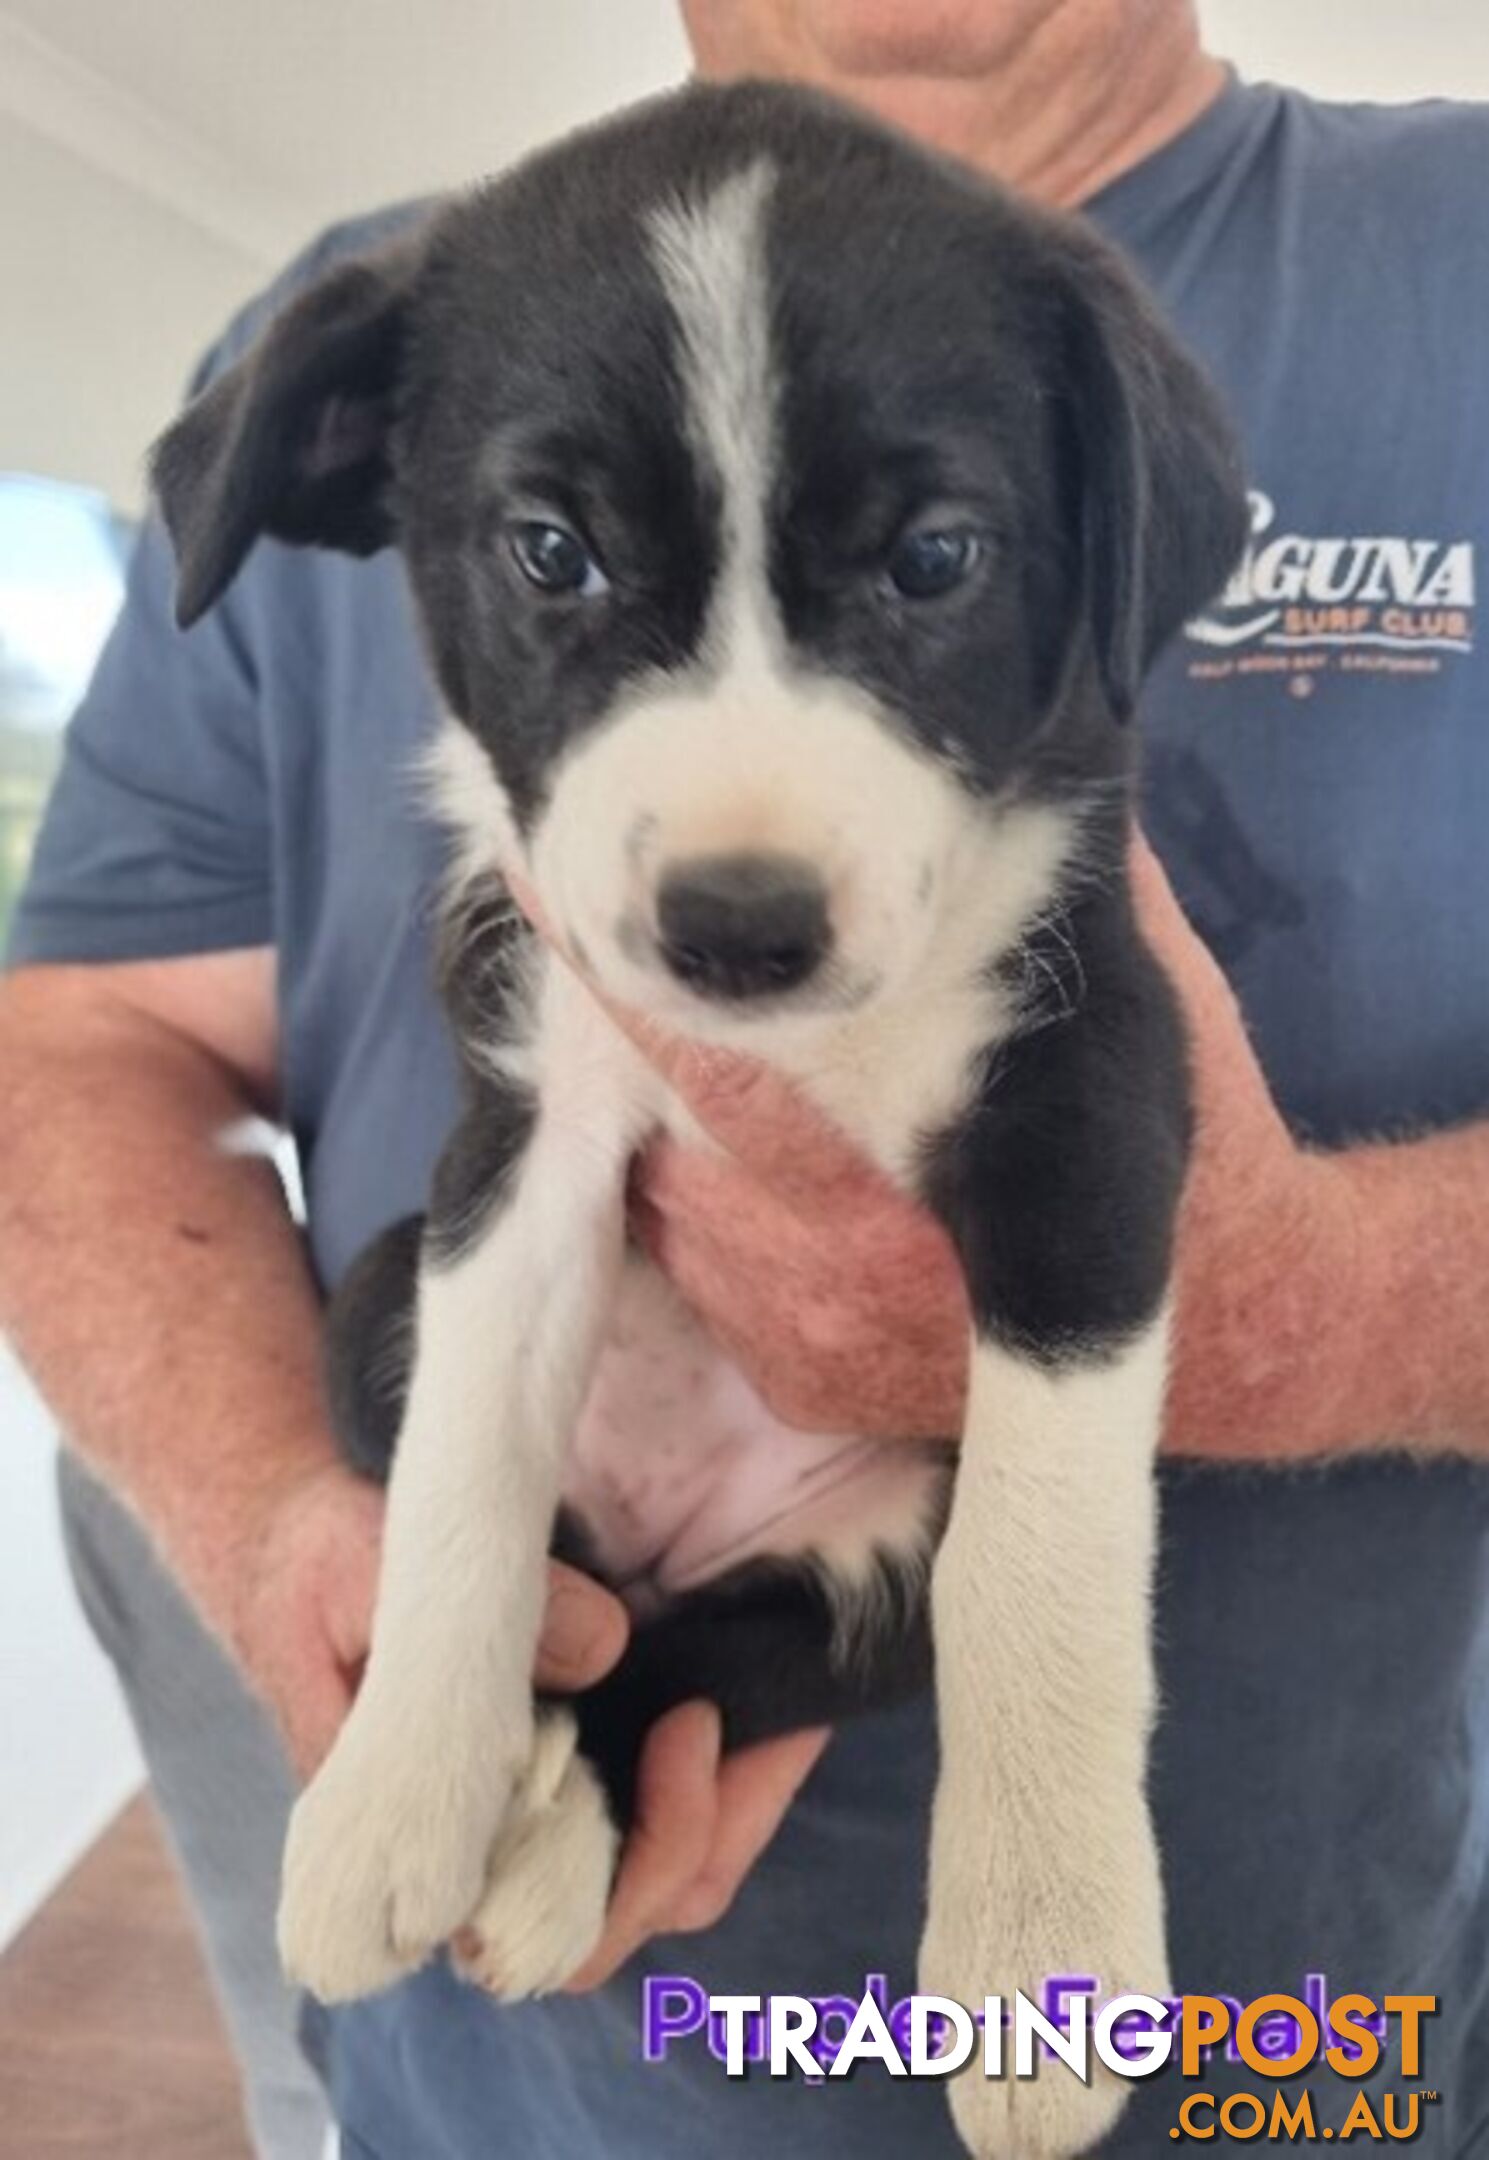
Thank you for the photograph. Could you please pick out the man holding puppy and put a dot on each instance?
(196, 945)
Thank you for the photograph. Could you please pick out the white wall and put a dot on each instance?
(1372, 49)
(108, 298)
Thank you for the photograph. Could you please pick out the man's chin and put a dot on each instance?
(947, 40)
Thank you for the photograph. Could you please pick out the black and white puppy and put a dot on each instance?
(791, 517)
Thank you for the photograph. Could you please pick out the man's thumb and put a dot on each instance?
(584, 1630)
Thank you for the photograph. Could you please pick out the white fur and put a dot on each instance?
(388, 1848)
(549, 1874)
(455, 781)
(1042, 1854)
(808, 769)
(679, 1471)
(710, 256)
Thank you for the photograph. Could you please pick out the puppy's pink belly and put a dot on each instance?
(680, 1472)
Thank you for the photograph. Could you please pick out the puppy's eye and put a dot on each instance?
(930, 560)
(555, 559)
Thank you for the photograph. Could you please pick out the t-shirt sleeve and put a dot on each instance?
(156, 838)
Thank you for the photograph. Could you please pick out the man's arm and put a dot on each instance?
(155, 1285)
(1376, 1336)
(1328, 1303)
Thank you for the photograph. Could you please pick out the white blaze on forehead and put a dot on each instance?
(710, 256)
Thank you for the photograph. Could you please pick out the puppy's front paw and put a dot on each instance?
(967, 1955)
(549, 1877)
(387, 1856)
(1053, 2116)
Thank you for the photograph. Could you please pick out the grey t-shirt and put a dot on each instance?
(1318, 785)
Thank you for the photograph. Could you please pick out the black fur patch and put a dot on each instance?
(1061, 1184)
(543, 377)
(477, 1164)
(369, 1350)
(293, 442)
(485, 948)
(760, 1643)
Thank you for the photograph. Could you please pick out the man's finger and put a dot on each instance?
(676, 1807)
(584, 1631)
(762, 1120)
(756, 1786)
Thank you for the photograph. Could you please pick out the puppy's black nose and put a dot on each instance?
(742, 926)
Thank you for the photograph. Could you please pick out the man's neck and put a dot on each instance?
(1093, 88)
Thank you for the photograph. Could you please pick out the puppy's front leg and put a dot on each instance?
(388, 1849)
(1060, 1187)
(1042, 1858)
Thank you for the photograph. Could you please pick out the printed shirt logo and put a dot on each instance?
(1300, 606)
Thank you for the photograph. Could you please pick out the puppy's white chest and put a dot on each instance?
(679, 1472)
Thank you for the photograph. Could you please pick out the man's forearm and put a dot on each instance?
(1421, 1223)
(153, 1281)
(1341, 1304)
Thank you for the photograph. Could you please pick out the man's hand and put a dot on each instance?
(841, 1298)
(701, 1821)
(844, 1303)
(1269, 1313)
(309, 1586)
(304, 1635)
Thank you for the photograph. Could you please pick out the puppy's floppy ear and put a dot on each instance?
(292, 441)
(1163, 501)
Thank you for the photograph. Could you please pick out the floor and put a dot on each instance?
(111, 2047)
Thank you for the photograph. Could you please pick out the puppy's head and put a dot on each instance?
(791, 515)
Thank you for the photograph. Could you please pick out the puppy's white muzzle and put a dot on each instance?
(721, 851)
